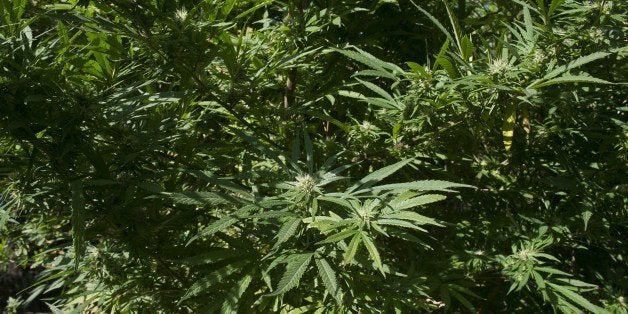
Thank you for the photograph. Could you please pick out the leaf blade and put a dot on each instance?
(296, 267)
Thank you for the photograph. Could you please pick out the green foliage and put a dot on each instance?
(307, 156)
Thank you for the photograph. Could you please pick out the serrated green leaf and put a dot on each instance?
(467, 48)
(545, 255)
(271, 214)
(212, 256)
(231, 304)
(577, 299)
(574, 64)
(296, 266)
(381, 102)
(221, 182)
(586, 216)
(447, 65)
(540, 283)
(425, 185)
(378, 90)
(199, 198)
(576, 283)
(399, 223)
(418, 69)
(218, 226)
(328, 275)
(414, 217)
(352, 248)
(570, 79)
(419, 201)
(527, 19)
(338, 236)
(228, 6)
(370, 60)
(462, 299)
(351, 94)
(215, 278)
(550, 270)
(435, 21)
(372, 249)
(336, 200)
(554, 5)
(375, 73)
(587, 59)
(378, 175)
(287, 230)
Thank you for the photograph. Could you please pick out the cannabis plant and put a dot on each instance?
(313, 156)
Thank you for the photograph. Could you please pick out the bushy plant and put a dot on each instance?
(315, 156)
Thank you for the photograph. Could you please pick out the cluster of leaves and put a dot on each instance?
(315, 156)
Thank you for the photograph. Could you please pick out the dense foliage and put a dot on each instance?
(315, 156)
